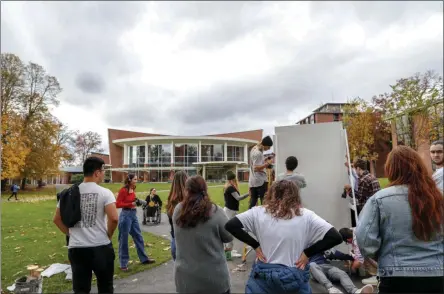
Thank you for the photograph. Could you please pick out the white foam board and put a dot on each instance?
(320, 150)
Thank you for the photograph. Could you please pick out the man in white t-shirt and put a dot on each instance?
(90, 248)
(257, 181)
(436, 153)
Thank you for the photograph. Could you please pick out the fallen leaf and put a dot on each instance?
(130, 262)
(166, 248)
(135, 280)
(148, 245)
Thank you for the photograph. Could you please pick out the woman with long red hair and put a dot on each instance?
(402, 227)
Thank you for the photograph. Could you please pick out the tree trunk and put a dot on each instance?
(39, 183)
(4, 185)
(23, 185)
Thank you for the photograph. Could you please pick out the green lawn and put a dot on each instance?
(30, 237)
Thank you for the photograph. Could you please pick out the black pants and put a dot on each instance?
(353, 218)
(12, 195)
(411, 285)
(99, 260)
(257, 193)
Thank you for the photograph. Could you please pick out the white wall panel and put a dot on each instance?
(320, 150)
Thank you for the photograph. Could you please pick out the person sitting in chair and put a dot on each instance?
(153, 202)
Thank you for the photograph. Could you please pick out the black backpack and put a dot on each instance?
(70, 206)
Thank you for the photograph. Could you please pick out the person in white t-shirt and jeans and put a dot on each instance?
(90, 248)
(286, 236)
(257, 181)
(436, 153)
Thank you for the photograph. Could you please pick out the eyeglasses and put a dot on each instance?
(436, 151)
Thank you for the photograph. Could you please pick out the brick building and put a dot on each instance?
(155, 157)
(331, 112)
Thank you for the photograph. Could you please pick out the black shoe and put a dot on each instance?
(149, 261)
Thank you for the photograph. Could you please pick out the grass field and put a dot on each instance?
(30, 237)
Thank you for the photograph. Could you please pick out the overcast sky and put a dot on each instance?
(185, 68)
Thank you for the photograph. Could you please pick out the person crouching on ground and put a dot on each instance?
(324, 272)
(153, 203)
(129, 224)
(176, 196)
(291, 163)
(200, 265)
(287, 235)
(231, 208)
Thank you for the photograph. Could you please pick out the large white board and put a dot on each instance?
(320, 150)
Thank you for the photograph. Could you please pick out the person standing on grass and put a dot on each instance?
(129, 224)
(177, 193)
(90, 248)
(231, 207)
(287, 236)
(257, 181)
(291, 163)
(200, 265)
(436, 152)
(401, 226)
(14, 189)
(368, 185)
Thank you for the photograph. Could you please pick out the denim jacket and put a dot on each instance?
(278, 278)
(384, 232)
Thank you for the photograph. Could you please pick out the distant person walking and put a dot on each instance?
(129, 224)
(291, 163)
(401, 226)
(287, 236)
(200, 265)
(257, 181)
(90, 248)
(177, 194)
(436, 153)
(14, 189)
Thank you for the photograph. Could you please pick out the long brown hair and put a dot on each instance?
(196, 206)
(283, 200)
(404, 166)
(127, 182)
(177, 191)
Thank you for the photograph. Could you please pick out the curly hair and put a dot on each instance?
(177, 191)
(283, 200)
(404, 166)
(196, 206)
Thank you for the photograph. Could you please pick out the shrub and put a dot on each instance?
(75, 179)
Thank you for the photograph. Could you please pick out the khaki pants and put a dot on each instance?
(230, 214)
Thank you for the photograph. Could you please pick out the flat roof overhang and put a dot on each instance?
(182, 139)
(168, 168)
(220, 163)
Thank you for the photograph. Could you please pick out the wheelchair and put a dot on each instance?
(157, 217)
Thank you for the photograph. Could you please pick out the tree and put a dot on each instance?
(415, 106)
(67, 139)
(12, 72)
(86, 143)
(365, 127)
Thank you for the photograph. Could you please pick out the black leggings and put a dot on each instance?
(411, 285)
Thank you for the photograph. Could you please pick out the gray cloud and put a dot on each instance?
(90, 83)
(79, 42)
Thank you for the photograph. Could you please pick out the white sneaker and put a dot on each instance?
(370, 281)
(367, 289)
(334, 290)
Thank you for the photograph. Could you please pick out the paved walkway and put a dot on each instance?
(160, 279)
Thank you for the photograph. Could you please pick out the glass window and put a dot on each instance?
(166, 150)
(235, 153)
(185, 154)
(153, 155)
(213, 152)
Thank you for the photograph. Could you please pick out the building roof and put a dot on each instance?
(183, 139)
(325, 104)
(72, 169)
(319, 108)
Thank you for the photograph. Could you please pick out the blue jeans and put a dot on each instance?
(129, 225)
(173, 248)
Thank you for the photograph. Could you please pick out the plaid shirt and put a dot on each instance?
(367, 187)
